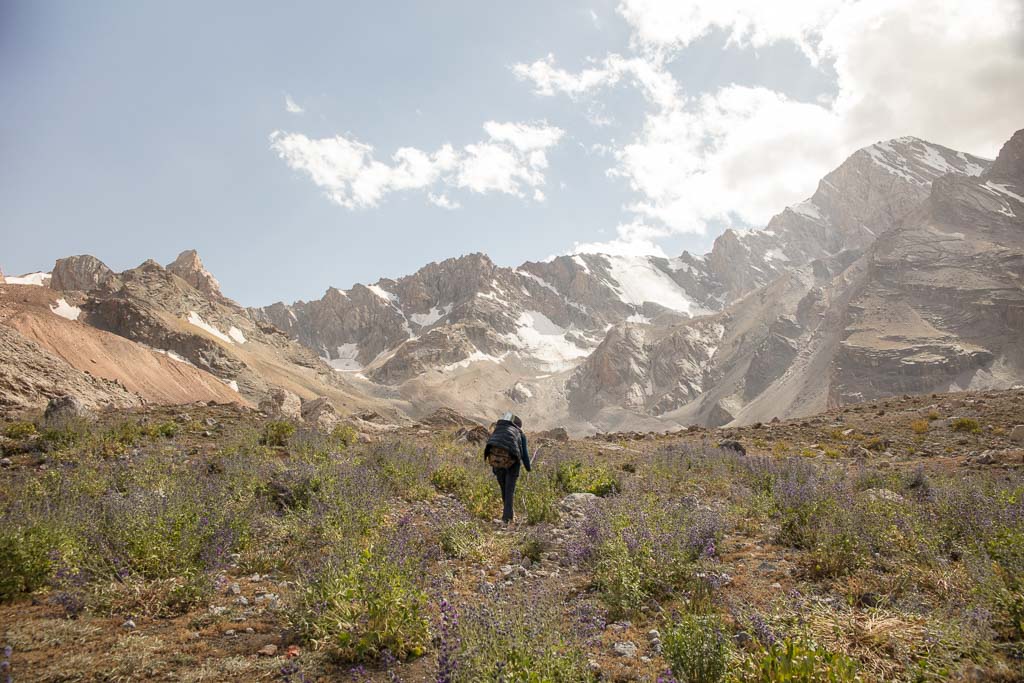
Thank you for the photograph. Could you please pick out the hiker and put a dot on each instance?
(505, 450)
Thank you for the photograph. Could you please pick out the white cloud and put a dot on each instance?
(943, 70)
(443, 201)
(291, 106)
(511, 161)
(634, 239)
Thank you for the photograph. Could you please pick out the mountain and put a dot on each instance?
(161, 335)
(901, 273)
(931, 303)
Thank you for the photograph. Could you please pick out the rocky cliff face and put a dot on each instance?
(918, 288)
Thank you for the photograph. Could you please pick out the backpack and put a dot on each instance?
(503, 446)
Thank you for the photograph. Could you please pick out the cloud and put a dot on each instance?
(634, 239)
(511, 161)
(291, 106)
(943, 70)
(443, 201)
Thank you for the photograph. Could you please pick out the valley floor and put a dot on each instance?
(881, 541)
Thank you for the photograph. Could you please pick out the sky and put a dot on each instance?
(299, 146)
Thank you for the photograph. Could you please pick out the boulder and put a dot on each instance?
(556, 434)
(1017, 434)
(732, 445)
(282, 404)
(578, 503)
(321, 414)
(888, 496)
(63, 409)
(477, 434)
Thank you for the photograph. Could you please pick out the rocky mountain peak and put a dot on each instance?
(189, 267)
(80, 273)
(1010, 162)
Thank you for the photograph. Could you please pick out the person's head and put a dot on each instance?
(517, 421)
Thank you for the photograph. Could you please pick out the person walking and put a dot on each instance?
(506, 451)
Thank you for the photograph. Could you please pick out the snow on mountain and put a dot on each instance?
(66, 310)
(33, 279)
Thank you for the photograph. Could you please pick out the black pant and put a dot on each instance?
(507, 477)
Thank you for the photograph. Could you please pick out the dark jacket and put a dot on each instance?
(506, 435)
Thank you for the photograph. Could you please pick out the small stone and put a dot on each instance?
(230, 632)
(255, 577)
(235, 589)
(5, 462)
(625, 649)
(594, 666)
(267, 650)
(129, 624)
(250, 630)
(242, 600)
(506, 570)
(654, 634)
(645, 659)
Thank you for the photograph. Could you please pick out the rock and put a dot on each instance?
(625, 649)
(80, 273)
(321, 414)
(5, 462)
(985, 458)
(242, 601)
(129, 624)
(556, 434)
(1017, 434)
(654, 634)
(234, 589)
(578, 503)
(189, 267)
(64, 409)
(282, 404)
(594, 666)
(882, 494)
(476, 434)
(230, 632)
(732, 445)
(269, 650)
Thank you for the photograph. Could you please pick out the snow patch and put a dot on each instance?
(638, 318)
(233, 384)
(540, 281)
(236, 334)
(807, 209)
(435, 314)
(66, 310)
(475, 357)
(640, 281)
(174, 356)
(34, 279)
(933, 158)
(581, 263)
(970, 168)
(383, 293)
(545, 341)
(346, 360)
(775, 255)
(877, 152)
(1003, 189)
(196, 320)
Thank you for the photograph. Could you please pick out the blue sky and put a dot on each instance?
(137, 130)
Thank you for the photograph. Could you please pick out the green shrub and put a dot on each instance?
(966, 425)
(357, 608)
(25, 561)
(19, 430)
(919, 426)
(575, 477)
(462, 540)
(696, 649)
(449, 478)
(165, 430)
(537, 498)
(798, 662)
(277, 433)
(344, 435)
(620, 577)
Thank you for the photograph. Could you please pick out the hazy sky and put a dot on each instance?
(303, 145)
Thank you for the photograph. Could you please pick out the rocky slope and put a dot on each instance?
(931, 303)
